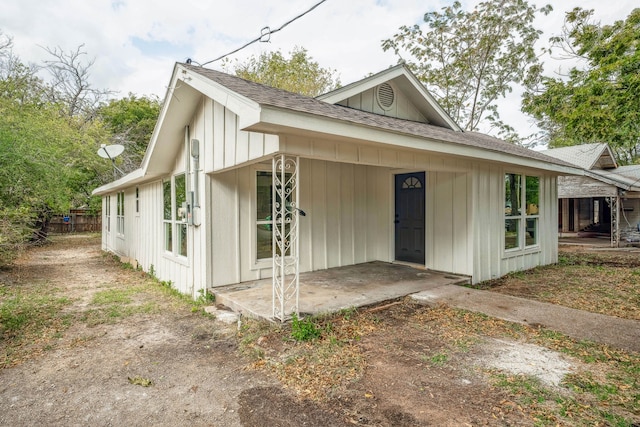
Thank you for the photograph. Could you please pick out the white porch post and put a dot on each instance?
(615, 221)
(285, 236)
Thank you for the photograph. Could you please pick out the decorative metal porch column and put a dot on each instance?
(285, 216)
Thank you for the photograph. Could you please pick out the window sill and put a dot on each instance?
(178, 259)
(511, 253)
(262, 264)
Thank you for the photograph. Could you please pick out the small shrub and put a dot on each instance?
(303, 329)
(205, 297)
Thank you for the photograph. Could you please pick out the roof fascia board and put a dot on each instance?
(612, 178)
(273, 118)
(613, 158)
(361, 85)
(384, 76)
(597, 158)
(425, 93)
(248, 111)
(166, 105)
(138, 176)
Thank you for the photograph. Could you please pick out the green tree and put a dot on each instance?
(469, 60)
(597, 101)
(299, 73)
(131, 121)
(48, 160)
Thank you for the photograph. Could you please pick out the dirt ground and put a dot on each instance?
(95, 370)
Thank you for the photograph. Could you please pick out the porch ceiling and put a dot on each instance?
(337, 288)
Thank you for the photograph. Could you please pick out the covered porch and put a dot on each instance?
(337, 288)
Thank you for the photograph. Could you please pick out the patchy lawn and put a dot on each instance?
(600, 282)
(87, 340)
(403, 364)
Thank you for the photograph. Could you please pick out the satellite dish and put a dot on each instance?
(110, 151)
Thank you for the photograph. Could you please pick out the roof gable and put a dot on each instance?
(269, 110)
(395, 92)
(587, 156)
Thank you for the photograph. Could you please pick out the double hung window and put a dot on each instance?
(264, 221)
(522, 194)
(120, 214)
(174, 192)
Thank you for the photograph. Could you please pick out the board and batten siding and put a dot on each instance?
(349, 219)
(449, 222)
(143, 240)
(401, 108)
(231, 146)
(490, 260)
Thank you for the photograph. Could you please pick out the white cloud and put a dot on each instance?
(136, 42)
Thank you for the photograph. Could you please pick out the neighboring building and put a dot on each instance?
(605, 202)
(380, 171)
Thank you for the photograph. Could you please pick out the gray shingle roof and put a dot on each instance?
(269, 96)
(585, 156)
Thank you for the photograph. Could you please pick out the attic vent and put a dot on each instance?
(385, 96)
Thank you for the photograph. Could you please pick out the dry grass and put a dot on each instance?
(606, 283)
(602, 391)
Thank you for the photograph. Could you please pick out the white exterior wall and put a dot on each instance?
(349, 208)
(347, 191)
(144, 230)
(348, 219)
(490, 259)
(231, 146)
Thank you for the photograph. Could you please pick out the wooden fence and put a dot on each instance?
(77, 221)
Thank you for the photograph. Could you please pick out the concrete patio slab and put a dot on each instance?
(337, 288)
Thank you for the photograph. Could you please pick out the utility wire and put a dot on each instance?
(265, 33)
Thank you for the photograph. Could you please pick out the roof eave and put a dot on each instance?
(276, 120)
(136, 177)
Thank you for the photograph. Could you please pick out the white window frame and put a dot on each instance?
(522, 217)
(120, 214)
(137, 201)
(107, 209)
(258, 263)
(172, 241)
(180, 219)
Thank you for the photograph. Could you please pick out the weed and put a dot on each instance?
(529, 389)
(29, 311)
(304, 329)
(112, 296)
(348, 313)
(205, 297)
(439, 359)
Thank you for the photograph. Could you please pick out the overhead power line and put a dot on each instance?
(265, 34)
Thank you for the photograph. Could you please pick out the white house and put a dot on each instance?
(605, 201)
(379, 170)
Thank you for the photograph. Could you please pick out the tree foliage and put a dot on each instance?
(470, 59)
(131, 121)
(597, 101)
(299, 73)
(48, 160)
